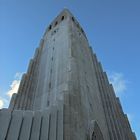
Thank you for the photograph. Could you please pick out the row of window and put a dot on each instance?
(77, 24)
(50, 85)
(62, 18)
(56, 30)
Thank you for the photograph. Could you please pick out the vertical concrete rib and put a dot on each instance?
(26, 126)
(28, 84)
(36, 124)
(52, 135)
(66, 117)
(29, 77)
(23, 96)
(36, 82)
(45, 125)
(33, 81)
(29, 81)
(15, 125)
(109, 104)
(121, 117)
(5, 117)
(112, 104)
(125, 123)
(128, 128)
(117, 112)
(12, 102)
(33, 78)
(60, 122)
(103, 97)
(32, 86)
(20, 92)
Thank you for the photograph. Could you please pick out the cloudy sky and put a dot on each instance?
(113, 30)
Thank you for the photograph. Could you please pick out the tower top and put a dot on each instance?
(66, 10)
(64, 14)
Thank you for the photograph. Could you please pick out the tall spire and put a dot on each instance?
(65, 94)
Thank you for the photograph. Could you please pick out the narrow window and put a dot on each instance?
(73, 19)
(51, 70)
(56, 23)
(50, 27)
(93, 136)
(62, 18)
(82, 30)
(49, 85)
(48, 103)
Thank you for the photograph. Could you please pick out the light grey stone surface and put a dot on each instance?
(45, 125)
(15, 124)
(5, 117)
(25, 128)
(65, 93)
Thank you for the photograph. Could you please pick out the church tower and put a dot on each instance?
(65, 94)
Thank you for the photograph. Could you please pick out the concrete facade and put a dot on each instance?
(65, 94)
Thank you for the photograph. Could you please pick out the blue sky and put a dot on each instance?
(112, 28)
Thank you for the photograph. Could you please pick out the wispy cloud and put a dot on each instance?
(13, 87)
(1, 103)
(15, 84)
(6, 96)
(118, 81)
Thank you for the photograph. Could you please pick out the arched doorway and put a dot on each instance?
(95, 131)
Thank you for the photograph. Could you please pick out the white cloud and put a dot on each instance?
(4, 99)
(13, 87)
(118, 82)
(15, 84)
(1, 103)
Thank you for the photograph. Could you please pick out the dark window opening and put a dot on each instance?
(93, 136)
(62, 18)
(52, 58)
(50, 27)
(90, 105)
(56, 23)
(88, 88)
(49, 85)
(73, 19)
(51, 70)
(48, 103)
(82, 30)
